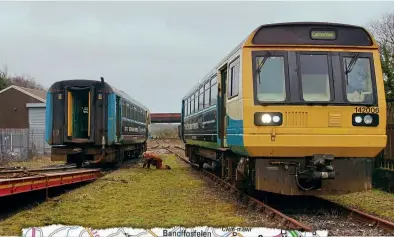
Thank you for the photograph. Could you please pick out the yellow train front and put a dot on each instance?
(300, 111)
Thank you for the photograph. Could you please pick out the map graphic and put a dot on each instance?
(79, 231)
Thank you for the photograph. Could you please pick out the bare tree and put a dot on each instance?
(4, 78)
(28, 82)
(383, 31)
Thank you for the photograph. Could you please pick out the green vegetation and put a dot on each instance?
(375, 202)
(138, 198)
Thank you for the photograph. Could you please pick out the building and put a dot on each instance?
(22, 120)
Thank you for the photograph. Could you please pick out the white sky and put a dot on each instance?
(154, 51)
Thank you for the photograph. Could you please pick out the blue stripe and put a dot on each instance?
(48, 118)
(111, 119)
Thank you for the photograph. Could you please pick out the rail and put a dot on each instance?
(41, 181)
(285, 221)
(351, 213)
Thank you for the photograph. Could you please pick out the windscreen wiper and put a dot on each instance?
(349, 67)
(352, 62)
(258, 70)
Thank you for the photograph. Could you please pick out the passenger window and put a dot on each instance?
(271, 79)
(315, 77)
(196, 102)
(201, 99)
(190, 107)
(207, 94)
(214, 91)
(186, 107)
(234, 80)
(359, 81)
(192, 104)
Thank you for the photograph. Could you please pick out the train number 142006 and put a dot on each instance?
(370, 110)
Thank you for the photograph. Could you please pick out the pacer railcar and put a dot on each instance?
(88, 120)
(295, 109)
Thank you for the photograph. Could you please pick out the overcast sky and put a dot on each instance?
(154, 51)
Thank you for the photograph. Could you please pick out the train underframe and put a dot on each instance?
(110, 155)
(321, 174)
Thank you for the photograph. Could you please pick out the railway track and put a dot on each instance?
(368, 224)
(284, 221)
(16, 180)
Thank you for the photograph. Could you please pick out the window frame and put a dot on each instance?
(330, 76)
(262, 53)
(213, 78)
(368, 55)
(236, 62)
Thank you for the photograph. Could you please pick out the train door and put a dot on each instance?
(78, 113)
(118, 119)
(222, 122)
(180, 127)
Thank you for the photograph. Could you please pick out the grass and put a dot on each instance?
(373, 201)
(135, 197)
(36, 162)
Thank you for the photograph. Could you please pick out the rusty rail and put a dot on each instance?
(363, 217)
(251, 202)
(352, 213)
(38, 170)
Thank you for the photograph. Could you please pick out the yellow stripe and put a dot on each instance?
(89, 116)
(5, 186)
(23, 184)
(69, 114)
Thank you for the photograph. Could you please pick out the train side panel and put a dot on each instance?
(49, 118)
(111, 121)
(200, 119)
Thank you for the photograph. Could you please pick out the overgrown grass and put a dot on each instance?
(36, 162)
(134, 197)
(374, 202)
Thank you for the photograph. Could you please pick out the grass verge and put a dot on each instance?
(375, 202)
(138, 198)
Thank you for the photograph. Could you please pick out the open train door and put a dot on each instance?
(79, 114)
(222, 118)
(181, 126)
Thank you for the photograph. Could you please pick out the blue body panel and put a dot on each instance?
(48, 118)
(111, 123)
(218, 114)
(234, 132)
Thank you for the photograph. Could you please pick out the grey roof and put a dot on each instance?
(126, 96)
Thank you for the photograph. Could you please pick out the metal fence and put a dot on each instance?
(386, 159)
(22, 144)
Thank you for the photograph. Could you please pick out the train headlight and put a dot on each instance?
(276, 119)
(358, 119)
(268, 119)
(368, 119)
(365, 120)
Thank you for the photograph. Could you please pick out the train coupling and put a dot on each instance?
(77, 150)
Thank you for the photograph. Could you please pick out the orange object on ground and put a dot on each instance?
(153, 159)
